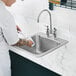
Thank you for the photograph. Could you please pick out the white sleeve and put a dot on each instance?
(10, 32)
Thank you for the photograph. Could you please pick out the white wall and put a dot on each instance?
(66, 19)
(62, 18)
(28, 8)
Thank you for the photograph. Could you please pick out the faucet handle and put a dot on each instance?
(55, 29)
(54, 32)
(47, 31)
(47, 27)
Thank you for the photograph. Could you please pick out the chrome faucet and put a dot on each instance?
(50, 32)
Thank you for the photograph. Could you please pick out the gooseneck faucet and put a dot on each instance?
(45, 10)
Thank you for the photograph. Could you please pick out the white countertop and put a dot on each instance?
(62, 60)
(49, 60)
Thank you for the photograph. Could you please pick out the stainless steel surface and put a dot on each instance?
(46, 45)
(45, 10)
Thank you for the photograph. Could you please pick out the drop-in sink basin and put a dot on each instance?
(45, 45)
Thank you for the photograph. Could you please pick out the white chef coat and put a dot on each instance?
(8, 36)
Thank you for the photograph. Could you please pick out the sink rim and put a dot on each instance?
(50, 50)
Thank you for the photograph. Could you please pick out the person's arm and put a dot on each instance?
(10, 34)
(23, 41)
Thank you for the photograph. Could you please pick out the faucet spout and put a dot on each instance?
(45, 10)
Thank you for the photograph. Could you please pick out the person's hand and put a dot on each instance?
(29, 43)
(23, 42)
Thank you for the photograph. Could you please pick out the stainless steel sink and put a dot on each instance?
(46, 45)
